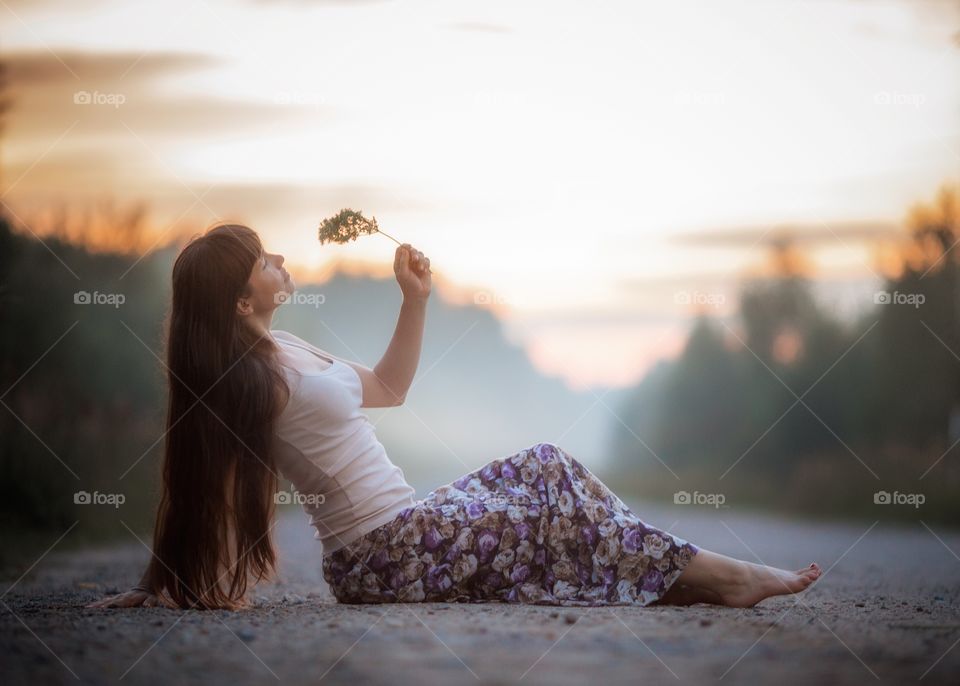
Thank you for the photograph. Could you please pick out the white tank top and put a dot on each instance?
(328, 450)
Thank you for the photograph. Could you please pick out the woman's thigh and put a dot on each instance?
(536, 526)
(466, 541)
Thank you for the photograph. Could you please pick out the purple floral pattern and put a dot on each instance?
(534, 527)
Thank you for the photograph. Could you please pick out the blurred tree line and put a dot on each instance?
(792, 408)
(83, 396)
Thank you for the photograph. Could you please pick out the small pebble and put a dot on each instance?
(705, 622)
(570, 619)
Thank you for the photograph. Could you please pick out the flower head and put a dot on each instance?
(346, 225)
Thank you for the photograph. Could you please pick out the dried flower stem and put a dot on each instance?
(389, 236)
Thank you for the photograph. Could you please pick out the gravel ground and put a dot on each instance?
(887, 609)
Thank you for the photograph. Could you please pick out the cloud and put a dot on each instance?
(29, 70)
(75, 181)
(799, 233)
(45, 87)
(240, 198)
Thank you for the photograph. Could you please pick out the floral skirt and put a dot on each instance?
(534, 527)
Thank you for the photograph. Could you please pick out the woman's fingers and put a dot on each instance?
(416, 260)
(127, 599)
(109, 601)
(403, 251)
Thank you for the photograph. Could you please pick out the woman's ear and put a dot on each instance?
(244, 307)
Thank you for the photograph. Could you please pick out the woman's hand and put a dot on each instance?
(132, 598)
(413, 272)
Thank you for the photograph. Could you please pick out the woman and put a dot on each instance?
(247, 401)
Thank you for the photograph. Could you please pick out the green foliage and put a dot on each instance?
(857, 406)
(83, 389)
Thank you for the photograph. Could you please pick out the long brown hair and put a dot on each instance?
(225, 390)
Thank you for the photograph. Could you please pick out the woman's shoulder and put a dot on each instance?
(282, 335)
(286, 336)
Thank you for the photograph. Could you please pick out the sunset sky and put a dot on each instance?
(581, 163)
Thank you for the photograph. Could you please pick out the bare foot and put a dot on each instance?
(680, 594)
(755, 582)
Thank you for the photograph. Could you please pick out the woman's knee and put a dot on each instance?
(549, 452)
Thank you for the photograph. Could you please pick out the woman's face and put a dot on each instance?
(270, 284)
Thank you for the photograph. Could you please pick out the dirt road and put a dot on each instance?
(887, 609)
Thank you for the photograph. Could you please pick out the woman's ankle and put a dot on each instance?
(714, 572)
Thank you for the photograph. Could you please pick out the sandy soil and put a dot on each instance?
(887, 609)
